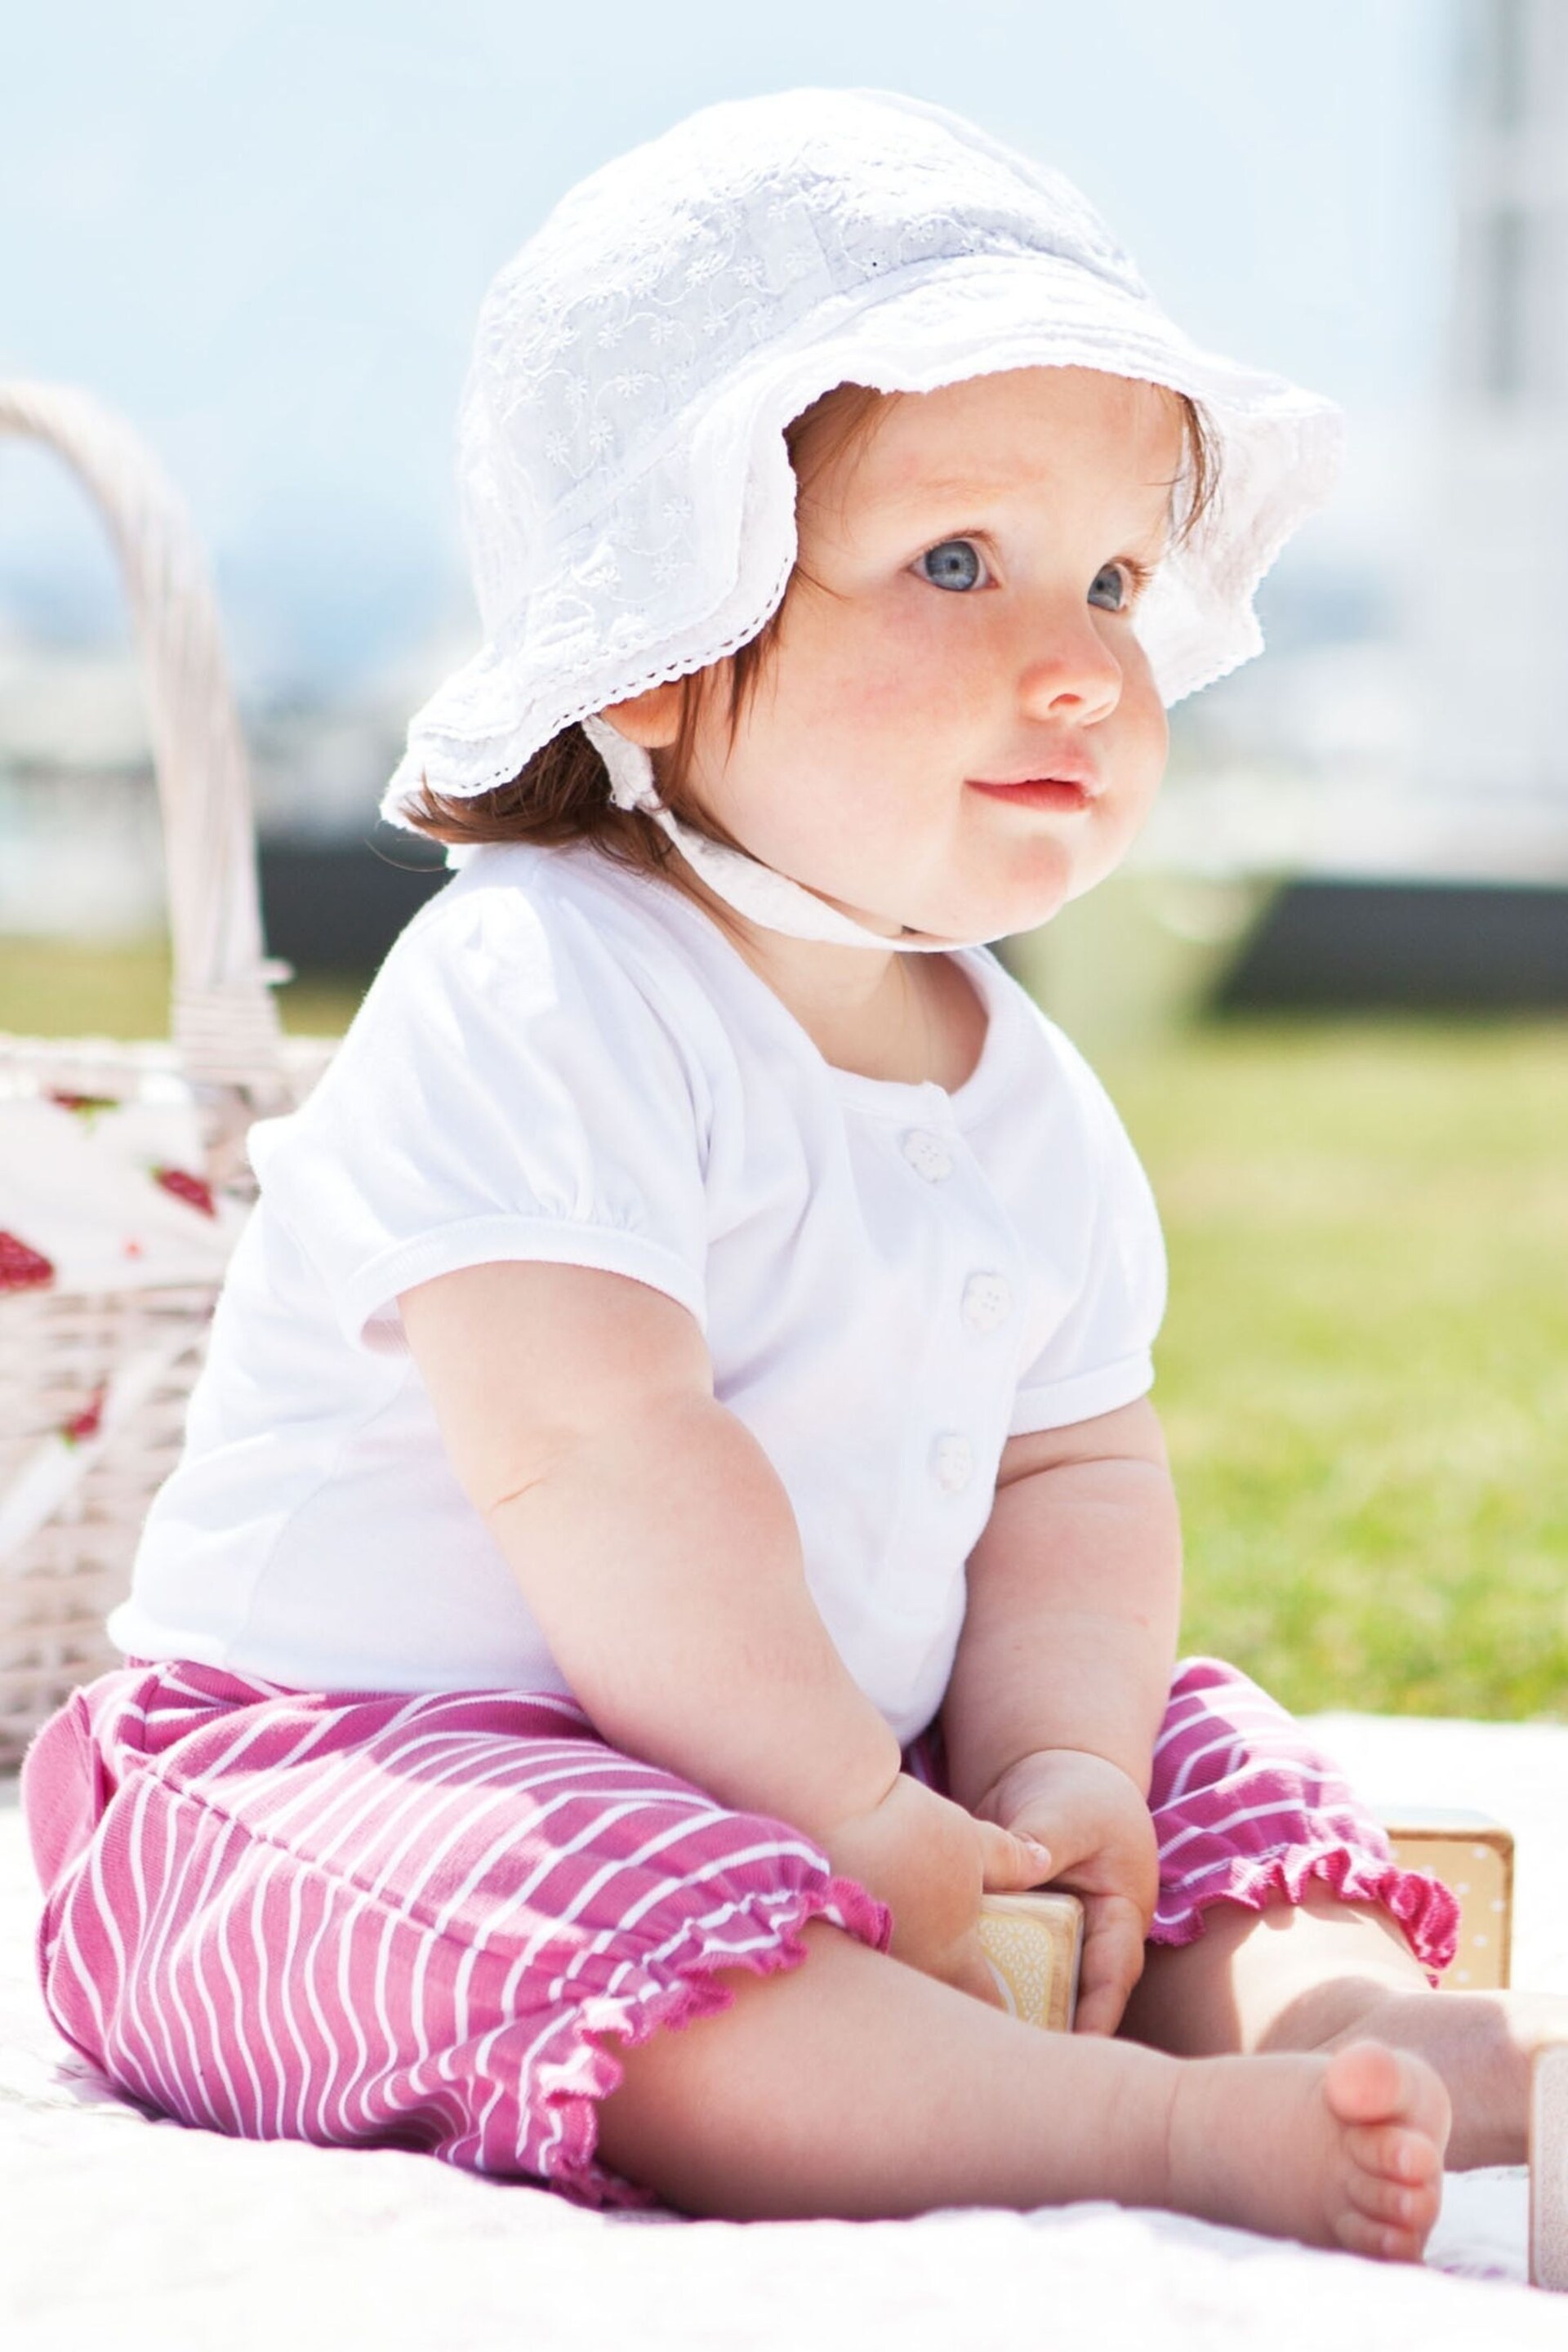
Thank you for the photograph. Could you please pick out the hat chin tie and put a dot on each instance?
(755, 890)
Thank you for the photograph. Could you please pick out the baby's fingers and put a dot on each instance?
(1011, 1863)
(1112, 1964)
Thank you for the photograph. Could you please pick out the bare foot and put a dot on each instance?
(1343, 2150)
(1482, 2044)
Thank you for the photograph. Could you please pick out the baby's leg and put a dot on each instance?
(1249, 1815)
(853, 2086)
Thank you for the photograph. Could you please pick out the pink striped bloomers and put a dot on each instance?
(415, 1921)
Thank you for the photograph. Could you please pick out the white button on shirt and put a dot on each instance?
(952, 1462)
(927, 1154)
(987, 1302)
(562, 1062)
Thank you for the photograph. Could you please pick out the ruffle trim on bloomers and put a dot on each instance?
(569, 2084)
(1426, 1911)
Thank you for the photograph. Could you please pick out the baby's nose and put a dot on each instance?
(1075, 673)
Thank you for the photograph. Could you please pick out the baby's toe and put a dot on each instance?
(1368, 2082)
(1385, 2242)
(1394, 2151)
(1389, 2200)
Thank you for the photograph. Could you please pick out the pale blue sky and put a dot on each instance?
(262, 231)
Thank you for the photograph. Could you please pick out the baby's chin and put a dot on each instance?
(991, 914)
(964, 908)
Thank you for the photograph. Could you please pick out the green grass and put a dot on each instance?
(54, 989)
(1364, 1368)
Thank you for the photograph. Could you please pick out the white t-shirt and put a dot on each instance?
(563, 1060)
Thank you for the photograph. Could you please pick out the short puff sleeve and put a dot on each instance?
(507, 1090)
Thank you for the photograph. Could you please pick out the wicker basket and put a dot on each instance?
(93, 1383)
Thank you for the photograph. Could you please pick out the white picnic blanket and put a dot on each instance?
(151, 2234)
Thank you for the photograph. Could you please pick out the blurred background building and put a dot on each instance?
(1493, 739)
(1407, 778)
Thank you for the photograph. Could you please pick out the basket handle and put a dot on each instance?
(224, 1023)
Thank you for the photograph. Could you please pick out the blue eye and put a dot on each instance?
(953, 564)
(1111, 588)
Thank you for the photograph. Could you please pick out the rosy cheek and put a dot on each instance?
(866, 686)
(916, 679)
(882, 695)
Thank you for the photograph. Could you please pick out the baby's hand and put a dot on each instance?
(1097, 1827)
(930, 1860)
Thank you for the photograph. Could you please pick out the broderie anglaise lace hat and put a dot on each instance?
(627, 496)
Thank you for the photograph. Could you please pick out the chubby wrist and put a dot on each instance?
(1023, 1780)
(915, 1850)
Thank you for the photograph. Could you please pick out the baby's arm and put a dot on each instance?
(657, 1546)
(1063, 1672)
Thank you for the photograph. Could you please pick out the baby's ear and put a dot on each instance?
(652, 720)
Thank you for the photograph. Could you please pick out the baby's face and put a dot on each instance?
(959, 729)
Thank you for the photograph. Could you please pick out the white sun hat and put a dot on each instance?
(628, 498)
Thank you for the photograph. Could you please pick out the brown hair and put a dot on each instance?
(560, 794)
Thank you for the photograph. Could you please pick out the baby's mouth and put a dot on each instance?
(1062, 792)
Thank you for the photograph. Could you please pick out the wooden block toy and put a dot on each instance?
(1473, 1856)
(1034, 1943)
(1549, 2170)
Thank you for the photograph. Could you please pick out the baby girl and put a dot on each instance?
(672, 1512)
